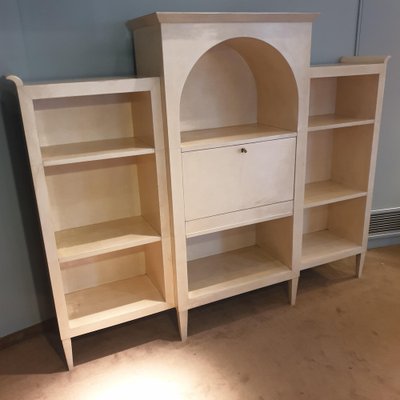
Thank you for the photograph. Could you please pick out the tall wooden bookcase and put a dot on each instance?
(236, 92)
(96, 150)
(247, 167)
(342, 141)
(264, 183)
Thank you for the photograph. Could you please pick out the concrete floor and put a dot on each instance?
(341, 341)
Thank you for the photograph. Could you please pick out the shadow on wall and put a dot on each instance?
(12, 120)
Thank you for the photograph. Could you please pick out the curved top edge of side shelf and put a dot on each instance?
(217, 17)
(16, 79)
(365, 59)
(357, 65)
(84, 87)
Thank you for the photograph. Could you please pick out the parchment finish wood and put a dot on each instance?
(271, 62)
(102, 199)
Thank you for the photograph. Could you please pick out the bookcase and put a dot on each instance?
(247, 167)
(271, 161)
(99, 172)
(236, 116)
(342, 139)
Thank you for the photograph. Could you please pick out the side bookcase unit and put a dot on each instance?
(345, 113)
(96, 150)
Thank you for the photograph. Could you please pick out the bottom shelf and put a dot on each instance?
(325, 246)
(113, 303)
(228, 274)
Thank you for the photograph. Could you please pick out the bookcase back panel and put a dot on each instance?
(92, 118)
(220, 242)
(351, 160)
(220, 91)
(237, 82)
(274, 237)
(319, 156)
(323, 96)
(315, 219)
(357, 96)
(349, 96)
(89, 193)
(95, 271)
(345, 219)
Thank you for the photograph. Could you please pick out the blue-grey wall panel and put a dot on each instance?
(380, 33)
(78, 38)
(57, 39)
(24, 294)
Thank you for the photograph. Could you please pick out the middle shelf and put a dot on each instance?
(326, 192)
(231, 135)
(70, 153)
(331, 121)
(103, 206)
(101, 238)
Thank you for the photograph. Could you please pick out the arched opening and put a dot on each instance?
(240, 82)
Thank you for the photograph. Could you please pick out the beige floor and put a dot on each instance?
(341, 341)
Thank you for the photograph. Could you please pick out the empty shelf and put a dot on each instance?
(93, 240)
(329, 121)
(91, 151)
(223, 275)
(231, 135)
(324, 246)
(112, 303)
(326, 192)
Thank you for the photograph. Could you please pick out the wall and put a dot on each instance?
(56, 39)
(383, 38)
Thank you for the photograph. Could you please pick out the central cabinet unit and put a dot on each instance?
(236, 98)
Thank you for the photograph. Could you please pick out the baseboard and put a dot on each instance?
(375, 242)
(27, 333)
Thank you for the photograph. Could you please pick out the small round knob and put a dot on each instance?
(243, 150)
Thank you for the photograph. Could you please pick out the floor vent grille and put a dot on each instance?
(385, 223)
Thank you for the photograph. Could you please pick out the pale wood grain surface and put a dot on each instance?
(91, 151)
(228, 179)
(329, 121)
(119, 300)
(324, 246)
(231, 135)
(325, 192)
(91, 240)
(218, 17)
(231, 273)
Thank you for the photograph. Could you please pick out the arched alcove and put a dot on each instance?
(238, 82)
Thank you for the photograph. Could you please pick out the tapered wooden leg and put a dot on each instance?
(183, 323)
(67, 345)
(360, 258)
(293, 284)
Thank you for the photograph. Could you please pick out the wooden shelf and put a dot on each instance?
(223, 275)
(93, 240)
(326, 192)
(111, 303)
(324, 246)
(330, 121)
(231, 135)
(91, 151)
